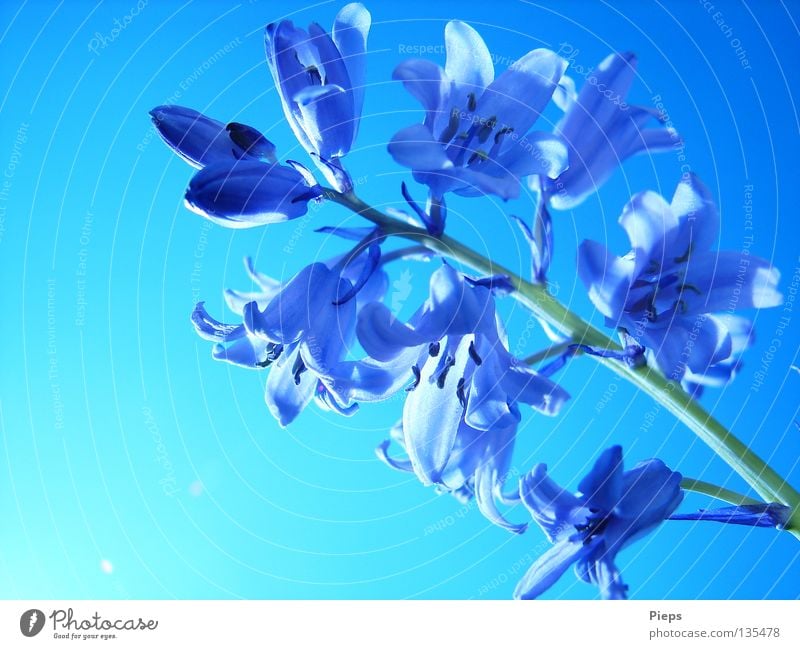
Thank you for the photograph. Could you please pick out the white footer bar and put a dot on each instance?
(406, 624)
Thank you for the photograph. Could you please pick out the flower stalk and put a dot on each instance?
(536, 297)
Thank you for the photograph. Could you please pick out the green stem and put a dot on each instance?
(759, 475)
(720, 493)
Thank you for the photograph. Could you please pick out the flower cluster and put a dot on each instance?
(327, 334)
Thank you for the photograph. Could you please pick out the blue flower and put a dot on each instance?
(461, 411)
(667, 291)
(474, 139)
(301, 330)
(478, 466)
(602, 130)
(240, 183)
(612, 509)
(320, 78)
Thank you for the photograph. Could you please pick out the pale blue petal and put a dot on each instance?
(519, 95)
(284, 397)
(552, 507)
(431, 416)
(469, 63)
(548, 568)
(652, 229)
(350, 31)
(212, 329)
(606, 277)
(415, 147)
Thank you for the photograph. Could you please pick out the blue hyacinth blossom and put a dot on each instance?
(602, 130)
(301, 330)
(461, 412)
(320, 78)
(240, 183)
(612, 509)
(475, 138)
(668, 293)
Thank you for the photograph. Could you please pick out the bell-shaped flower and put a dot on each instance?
(301, 329)
(478, 466)
(475, 137)
(602, 130)
(320, 78)
(668, 292)
(461, 412)
(240, 183)
(613, 508)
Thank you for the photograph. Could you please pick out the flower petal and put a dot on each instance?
(606, 277)
(285, 396)
(247, 194)
(526, 385)
(537, 153)
(198, 139)
(548, 568)
(486, 483)
(609, 580)
(650, 492)
(469, 64)
(549, 505)
(212, 329)
(328, 119)
(602, 486)
(519, 95)
(432, 414)
(291, 312)
(652, 228)
(245, 352)
(350, 31)
(725, 281)
(693, 205)
(416, 148)
(429, 85)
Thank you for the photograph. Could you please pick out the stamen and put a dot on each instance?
(314, 74)
(499, 135)
(417, 375)
(480, 154)
(298, 368)
(452, 127)
(462, 397)
(472, 103)
(448, 363)
(690, 287)
(433, 349)
(473, 353)
(486, 129)
(685, 256)
(274, 351)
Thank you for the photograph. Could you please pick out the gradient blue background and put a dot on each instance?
(123, 441)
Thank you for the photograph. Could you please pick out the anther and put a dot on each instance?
(462, 397)
(417, 376)
(298, 368)
(473, 353)
(448, 363)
